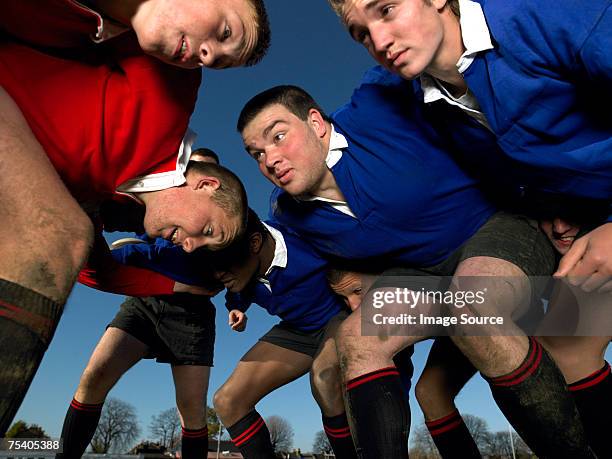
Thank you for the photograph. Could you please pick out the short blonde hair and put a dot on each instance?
(338, 6)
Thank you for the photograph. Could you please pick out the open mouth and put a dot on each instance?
(180, 53)
(173, 236)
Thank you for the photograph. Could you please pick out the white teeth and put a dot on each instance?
(183, 46)
(173, 238)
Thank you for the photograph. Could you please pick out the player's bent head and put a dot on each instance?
(238, 264)
(230, 195)
(293, 98)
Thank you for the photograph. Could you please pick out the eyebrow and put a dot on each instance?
(265, 133)
(271, 126)
(369, 6)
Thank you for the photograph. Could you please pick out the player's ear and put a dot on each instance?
(206, 182)
(255, 242)
(318, 123)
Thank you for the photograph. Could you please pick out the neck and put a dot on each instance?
(266, 254)
(327, 187)
(444, 64)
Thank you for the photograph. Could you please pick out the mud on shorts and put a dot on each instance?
(305, 342)
(178, 329)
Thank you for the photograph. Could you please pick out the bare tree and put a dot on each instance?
(281, 433)
(423, 446)
(480, 431)
(321, 443)
(118, 427)
(166, 426)
(500, 446)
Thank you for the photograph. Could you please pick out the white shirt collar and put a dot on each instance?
(336, 143)
(476, 38)
(162, 180)
(280, 249)
(280, 256)
(474, 33)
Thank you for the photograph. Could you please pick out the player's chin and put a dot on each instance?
(408, 72)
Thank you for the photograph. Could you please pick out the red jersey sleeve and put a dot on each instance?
(102, 272)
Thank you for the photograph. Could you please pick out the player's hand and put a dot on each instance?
(195, 289)
(237, 320)
(588, 262)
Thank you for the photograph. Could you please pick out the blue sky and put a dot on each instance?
(309, 49)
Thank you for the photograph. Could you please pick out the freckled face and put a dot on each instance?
(190, 218)
(289, 152)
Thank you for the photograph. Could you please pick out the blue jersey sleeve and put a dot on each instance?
(163, 257)
(236, 301)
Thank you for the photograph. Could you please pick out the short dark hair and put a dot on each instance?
(239, 250)
(206, 152)
(339, 268)
(263, 33)
(293, 98)
(230, 196)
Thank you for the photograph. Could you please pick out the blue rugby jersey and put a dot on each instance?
(297, 293)
(413, 204)
(545, 91)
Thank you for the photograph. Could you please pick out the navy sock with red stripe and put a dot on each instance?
(194, 443)
(339, 435)
(252, 437)
(536, 401)
(593, 397)
(27, 324)
(452, 437)
(79, 427)
(380, 414)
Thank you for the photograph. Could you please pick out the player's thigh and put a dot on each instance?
(115, 353)
(264, 368)
(505, 256)
(45, 236)
(190, 383)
